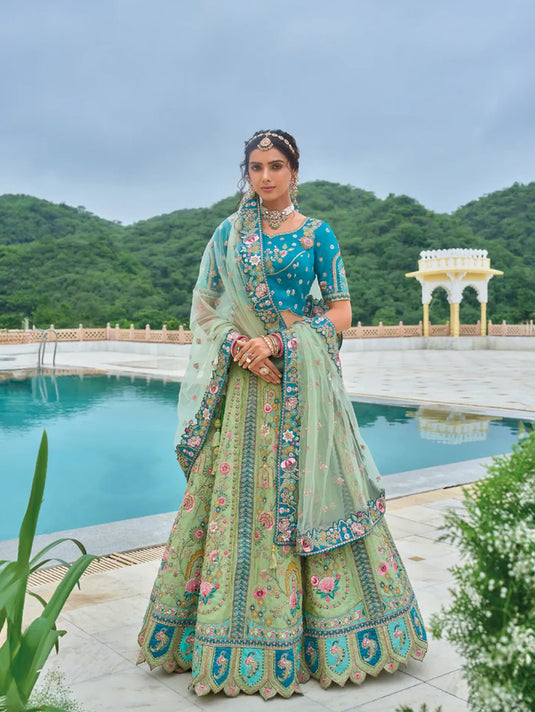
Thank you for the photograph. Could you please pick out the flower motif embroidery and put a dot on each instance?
(250, 240)
(306, 544)
(289, 463)
(357, 528)
(382, 567)
(267, 520)
(261, 290)
(207, 591)
(288, 436)
(192, 585)
(306, 242)
(224, 468)
(328, 587)
(255, 260)
(194, 441)
(188, 502)
(268, 408)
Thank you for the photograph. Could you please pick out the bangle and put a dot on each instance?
(269, 344)
(279, 348)
(233, 345)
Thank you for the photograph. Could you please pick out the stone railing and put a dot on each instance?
(382, 331)
(183, 336)
(505, 329)
(109, 333)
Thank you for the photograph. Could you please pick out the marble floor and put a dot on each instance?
(97, 655)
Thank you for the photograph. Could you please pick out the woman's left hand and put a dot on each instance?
(250, 353)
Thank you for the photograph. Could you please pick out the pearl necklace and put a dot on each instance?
(276, 217)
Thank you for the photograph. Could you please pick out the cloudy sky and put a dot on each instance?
(135, 108)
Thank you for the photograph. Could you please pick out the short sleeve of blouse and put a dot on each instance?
(328, 265)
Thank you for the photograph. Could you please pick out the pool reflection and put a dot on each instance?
(451, 427)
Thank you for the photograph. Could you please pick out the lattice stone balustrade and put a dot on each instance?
(183, 336)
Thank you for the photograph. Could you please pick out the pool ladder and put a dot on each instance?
(42, 348)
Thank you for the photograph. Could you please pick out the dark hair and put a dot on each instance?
(278, 143)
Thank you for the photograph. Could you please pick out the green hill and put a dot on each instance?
(63, 265)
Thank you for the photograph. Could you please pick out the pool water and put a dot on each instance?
(111, 451)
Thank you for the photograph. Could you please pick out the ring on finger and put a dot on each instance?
(264, 371)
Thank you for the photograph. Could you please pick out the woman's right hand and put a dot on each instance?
(252, 354)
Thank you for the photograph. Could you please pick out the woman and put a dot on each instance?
(279, 565)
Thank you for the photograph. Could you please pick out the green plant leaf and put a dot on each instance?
(66, 585)
(37, 643)
(23, 655)
(41, 635)
(52, 545)
(38, 597)
(29, 523)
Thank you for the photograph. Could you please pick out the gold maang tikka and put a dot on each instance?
(265, 144)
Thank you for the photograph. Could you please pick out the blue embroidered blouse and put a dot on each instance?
(292, 260)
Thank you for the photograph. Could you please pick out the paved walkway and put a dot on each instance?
(97, 656)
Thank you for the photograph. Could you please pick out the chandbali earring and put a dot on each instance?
(293, 190)
(249, 193)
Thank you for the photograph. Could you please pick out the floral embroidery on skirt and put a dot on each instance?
(246, 615)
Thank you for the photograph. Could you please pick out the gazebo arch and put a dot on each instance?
(454, 270)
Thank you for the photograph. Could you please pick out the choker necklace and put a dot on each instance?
(276, 217)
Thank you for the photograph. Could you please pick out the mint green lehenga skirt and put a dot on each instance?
(246, 615)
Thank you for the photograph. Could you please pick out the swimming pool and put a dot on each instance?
(111, 446)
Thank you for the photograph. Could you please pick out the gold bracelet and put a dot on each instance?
(269, 343)
(276, 344)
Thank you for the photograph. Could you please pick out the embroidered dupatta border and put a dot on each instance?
(343, 531)
(195, 434)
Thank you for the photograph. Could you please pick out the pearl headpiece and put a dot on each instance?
(265, 144)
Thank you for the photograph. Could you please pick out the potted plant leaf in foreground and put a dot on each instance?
(24, 652)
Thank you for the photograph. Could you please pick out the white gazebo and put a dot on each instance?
(454, 270)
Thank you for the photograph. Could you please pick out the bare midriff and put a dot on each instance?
(290, 317)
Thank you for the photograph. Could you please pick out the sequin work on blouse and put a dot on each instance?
(293, 259)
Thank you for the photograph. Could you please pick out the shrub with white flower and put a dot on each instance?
(491, 618)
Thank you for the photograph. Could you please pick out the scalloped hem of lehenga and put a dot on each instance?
(267, 687)
(205, 684)
(357, 674)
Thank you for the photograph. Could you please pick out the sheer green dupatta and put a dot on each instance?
(339, 497)
(221, 310)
